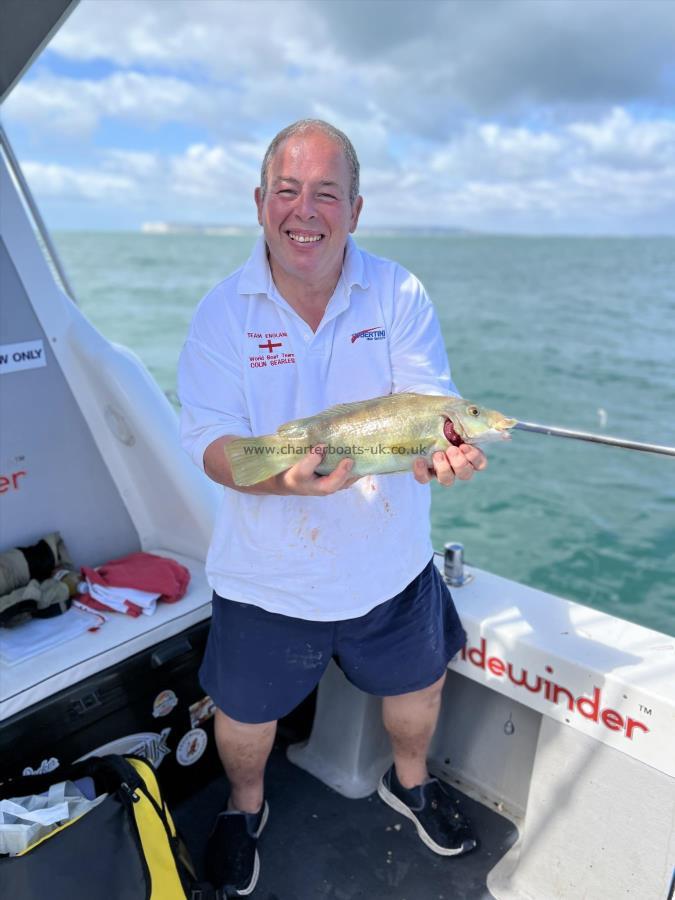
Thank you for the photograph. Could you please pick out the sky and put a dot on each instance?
(519, 116)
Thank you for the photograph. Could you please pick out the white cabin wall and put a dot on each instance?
(487, 742)
(54, 478)
(600, 825)
(118, 430)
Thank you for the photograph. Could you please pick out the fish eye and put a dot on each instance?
(473, 411)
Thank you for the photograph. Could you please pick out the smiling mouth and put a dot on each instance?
(304, 238)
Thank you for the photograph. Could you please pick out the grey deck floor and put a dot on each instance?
(318, 845)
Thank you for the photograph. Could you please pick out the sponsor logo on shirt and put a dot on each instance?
(370, 334)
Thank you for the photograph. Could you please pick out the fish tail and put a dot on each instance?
(255, 459)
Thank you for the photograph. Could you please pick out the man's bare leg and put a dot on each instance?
(410, 720)
(244, 750)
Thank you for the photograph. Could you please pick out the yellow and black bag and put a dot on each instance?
(125, 848)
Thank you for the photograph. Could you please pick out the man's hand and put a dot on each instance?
(301, 479)
(457, 462)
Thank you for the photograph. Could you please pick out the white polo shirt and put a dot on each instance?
(251, 363)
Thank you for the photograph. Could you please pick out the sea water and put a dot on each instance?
(574, 332)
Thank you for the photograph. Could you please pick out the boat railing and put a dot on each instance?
(35, 216)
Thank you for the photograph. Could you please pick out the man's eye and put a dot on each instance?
(286, 191)
(327, 197)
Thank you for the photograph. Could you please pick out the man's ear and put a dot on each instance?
(257, 195)
(356, 212)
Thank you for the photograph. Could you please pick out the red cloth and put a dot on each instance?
(145, 572)
(93, 603)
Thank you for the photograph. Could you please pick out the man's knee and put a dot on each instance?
(429, 695)
(433, 692)
(226, 721)
(414, 707)
(242, 734)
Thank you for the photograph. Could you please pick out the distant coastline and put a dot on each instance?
(199, 228)
(196, 228)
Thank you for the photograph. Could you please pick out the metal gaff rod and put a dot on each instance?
(594, 438)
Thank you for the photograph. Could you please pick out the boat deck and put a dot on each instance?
(319, 845)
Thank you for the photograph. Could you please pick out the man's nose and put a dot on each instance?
(306, 205)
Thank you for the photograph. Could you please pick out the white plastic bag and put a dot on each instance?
(26, 820)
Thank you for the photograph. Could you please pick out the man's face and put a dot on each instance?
(306, 213)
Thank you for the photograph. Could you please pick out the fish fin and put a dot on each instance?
(291, 428)
(255, 459)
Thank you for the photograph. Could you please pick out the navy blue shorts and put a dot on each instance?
(259, 665)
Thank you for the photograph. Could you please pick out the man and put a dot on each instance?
(306, 567)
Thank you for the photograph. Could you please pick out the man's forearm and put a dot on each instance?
(298, 480)
(217, 467)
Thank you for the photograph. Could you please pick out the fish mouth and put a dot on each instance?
(451, 435)
(454, 434)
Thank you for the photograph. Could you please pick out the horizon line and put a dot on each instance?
(220, 230)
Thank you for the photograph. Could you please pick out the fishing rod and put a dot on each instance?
(594, 438)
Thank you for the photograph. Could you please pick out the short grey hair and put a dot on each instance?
(304, 126)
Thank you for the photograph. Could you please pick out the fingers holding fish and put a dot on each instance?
(302, 478)
(421, 471)
(475, 456)
(445, 471)
(339, 479)
(459, 463)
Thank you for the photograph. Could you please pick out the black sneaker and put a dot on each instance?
(438, 821)
(232, 861)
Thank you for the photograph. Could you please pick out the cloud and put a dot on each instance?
(494, 113)
(485, 57)
(491, 151)
(204, 183)
(51, 181)
(584, 177)
(490, 176)
(420, 69)
(214, 174)
(490, 56)
(189, 36)
(621, 142)
(615, 46)
(75, 107)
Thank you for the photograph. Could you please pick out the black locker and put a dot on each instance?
(149, 695)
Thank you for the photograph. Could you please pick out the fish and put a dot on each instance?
(383, 435)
